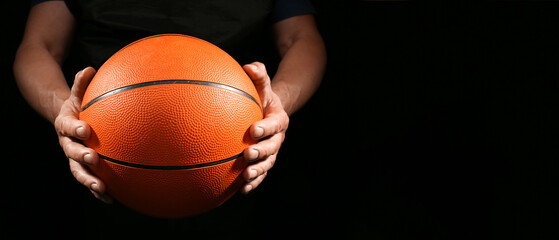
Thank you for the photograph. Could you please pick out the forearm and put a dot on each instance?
(37, 70)
(300, 72)
(40, 80)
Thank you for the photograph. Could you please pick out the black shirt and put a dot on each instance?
(239, 27)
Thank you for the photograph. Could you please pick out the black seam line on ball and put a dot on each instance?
(180, 167)
(167, 82)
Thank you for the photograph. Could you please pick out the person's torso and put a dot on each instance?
(105, 26)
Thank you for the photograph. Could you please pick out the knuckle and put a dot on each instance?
(74, 169)
(259, 180)
(266, 150)
(274, 147)
(77, 175)
(62, 141)
(275, 126)
(66, 147)
(70, 151)
(281, 122)
(59, 124)
(66, 126)
(259, 65)
(271, 162)
(285, 119)
(78, 75)
(261, 170)
(278, 124)
(75, 153)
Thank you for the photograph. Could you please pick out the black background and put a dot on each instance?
(433, 121)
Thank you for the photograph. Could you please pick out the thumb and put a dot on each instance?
(257, 72)
(81, 81)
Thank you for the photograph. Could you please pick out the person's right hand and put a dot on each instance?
(71, 130)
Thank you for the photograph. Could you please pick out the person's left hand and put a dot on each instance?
(270, 131)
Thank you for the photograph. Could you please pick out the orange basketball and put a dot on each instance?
(169, 116)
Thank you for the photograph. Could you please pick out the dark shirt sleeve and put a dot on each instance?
(284, 9)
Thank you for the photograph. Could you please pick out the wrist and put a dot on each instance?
(285, 94)
(55, 103)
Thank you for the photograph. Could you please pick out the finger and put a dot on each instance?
(81, 81)
(273, 123)
(103, 197)
(84, 176)
(78, 152)
(259, 168)
(264, 148)
(253, 184)
(70, 126)
(67, 123)
(94, 184)
(257, 72)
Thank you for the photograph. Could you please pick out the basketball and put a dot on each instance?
(169, 116)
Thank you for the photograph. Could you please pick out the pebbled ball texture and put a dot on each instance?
(169, 149)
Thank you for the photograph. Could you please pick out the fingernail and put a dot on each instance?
(88, 158)
(253, 67)
(80, 131)
(253, 174)
(95, 187)
(258, 132)
(253, 154)
(248, 188)
(79, 74)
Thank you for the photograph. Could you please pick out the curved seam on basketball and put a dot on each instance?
(176, 167)
(168, 82)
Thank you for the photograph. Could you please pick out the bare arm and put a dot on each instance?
(37, 66)
(39, 76)
(299, 75)
(303, 61)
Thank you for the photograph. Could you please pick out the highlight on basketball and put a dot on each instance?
(169, 116)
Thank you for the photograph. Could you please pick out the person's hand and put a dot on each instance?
(270, 131)
(70, 130)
